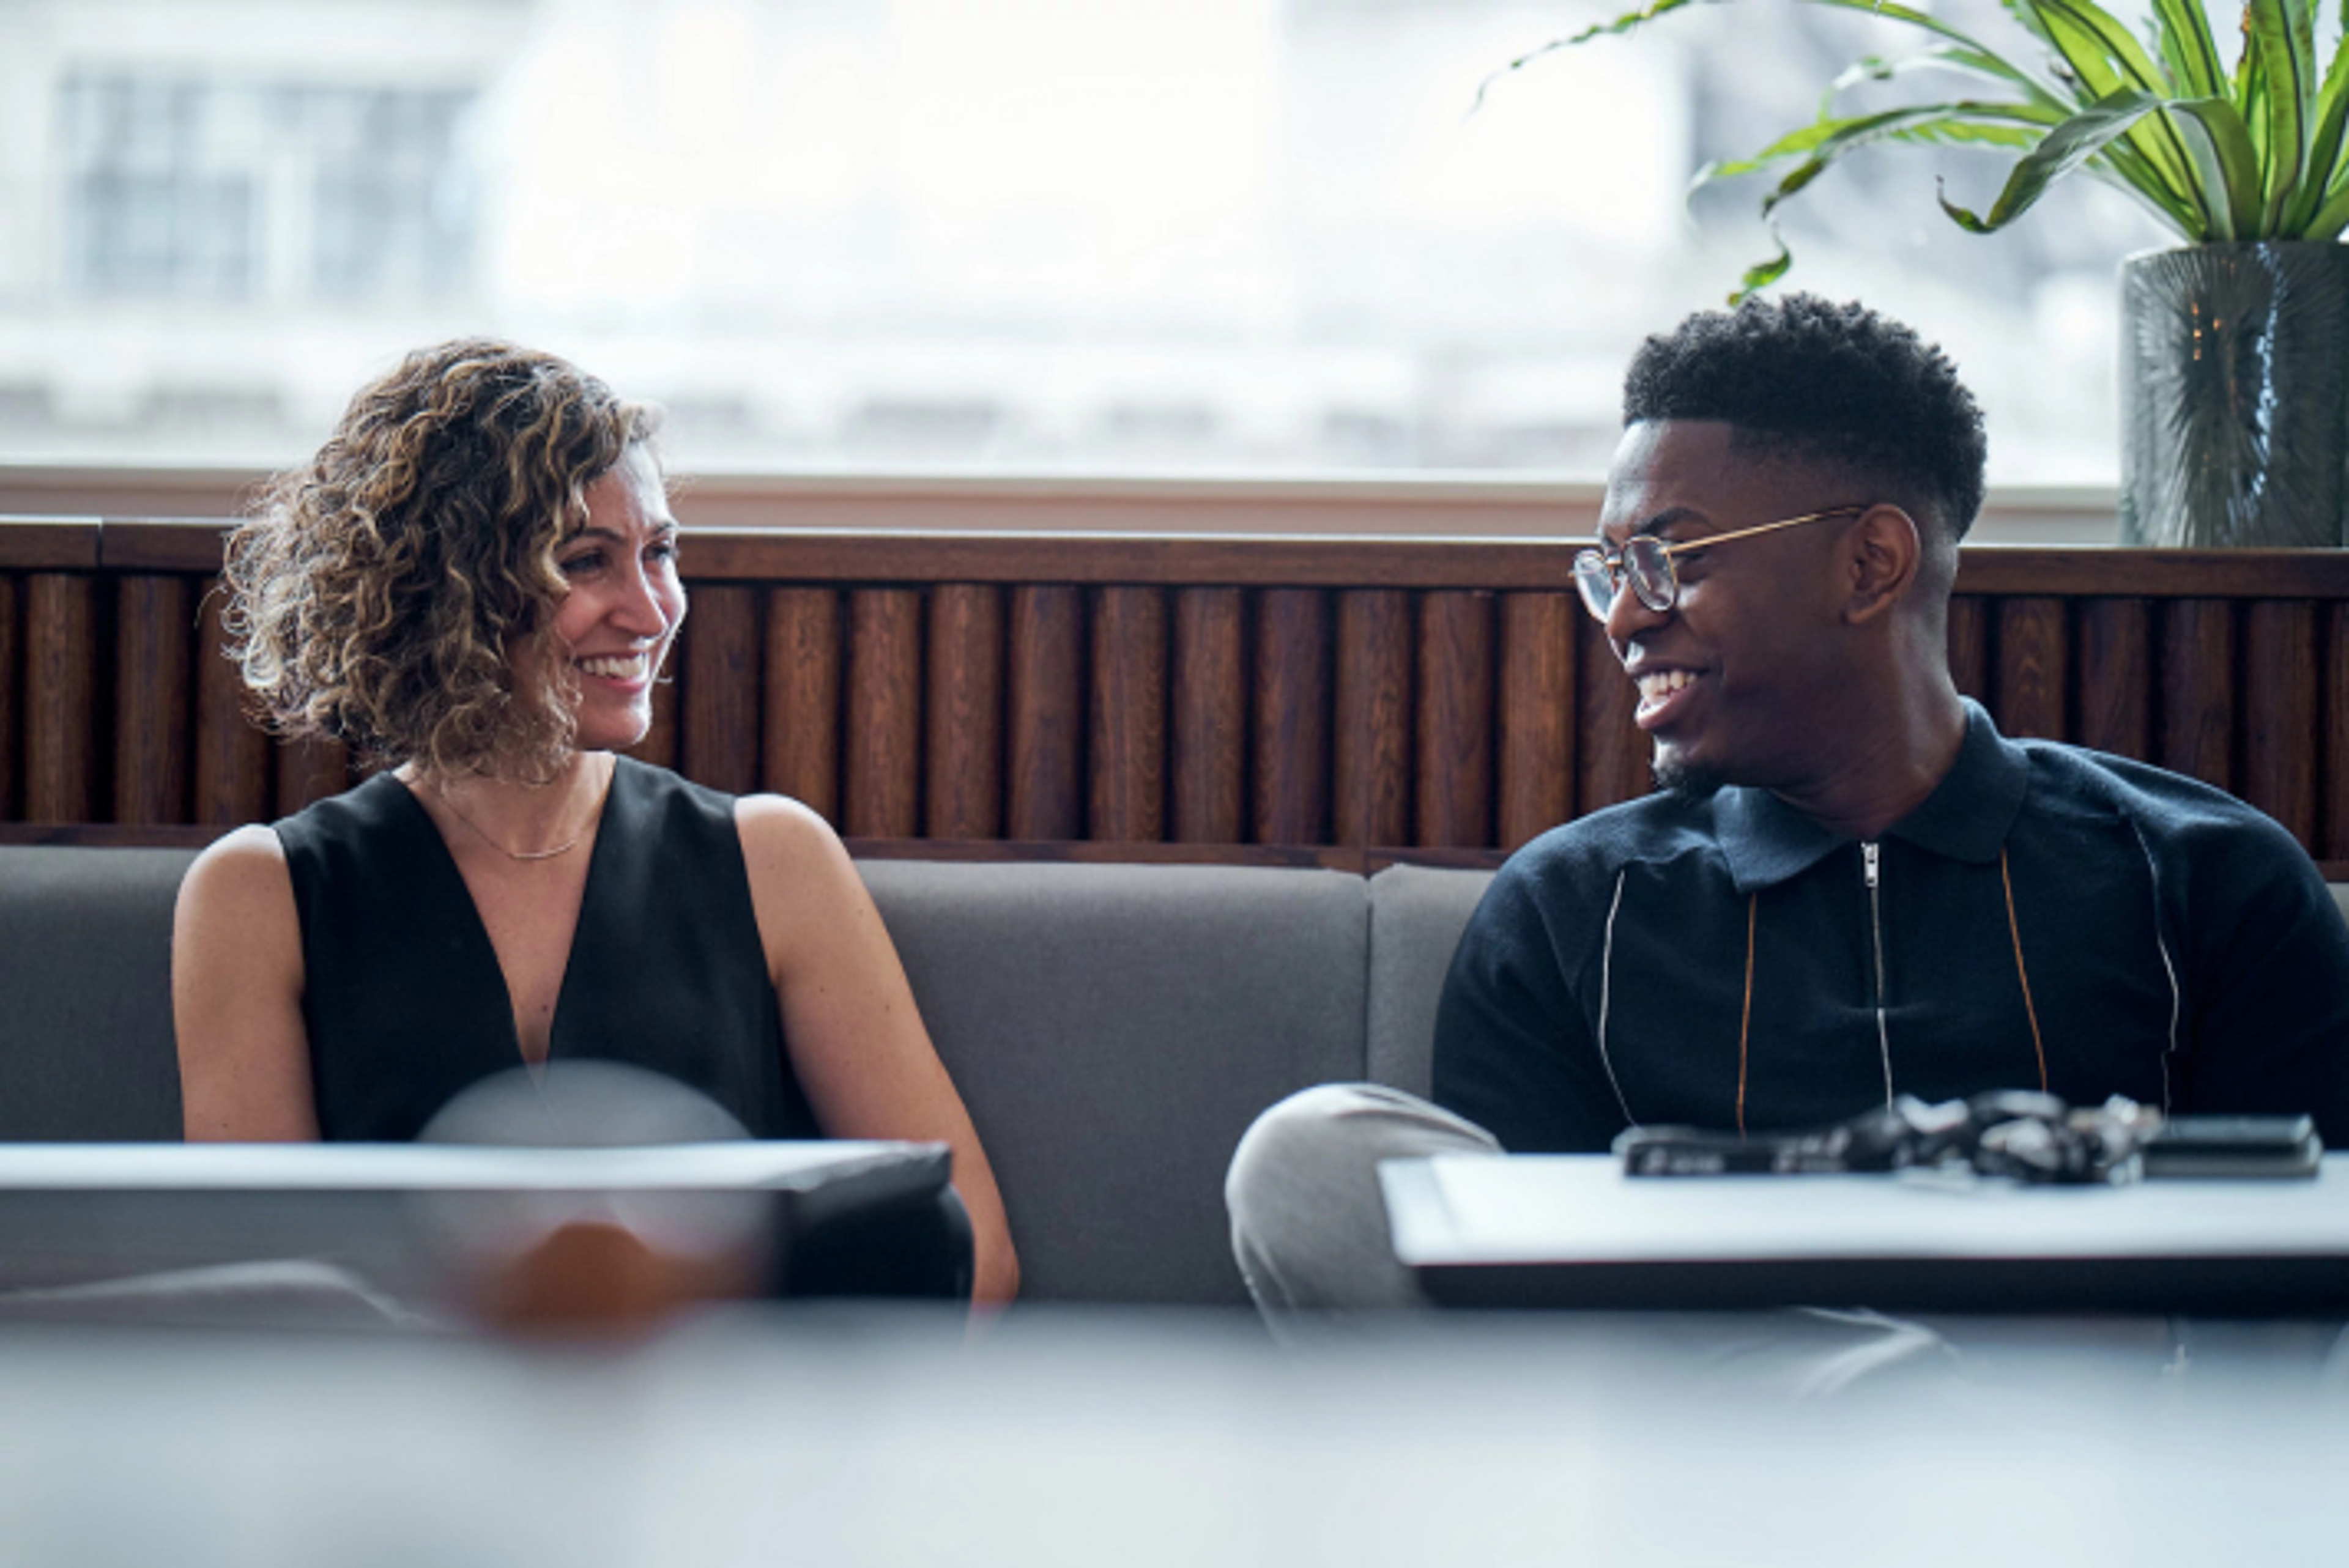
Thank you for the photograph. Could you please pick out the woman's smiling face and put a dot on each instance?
(622, 608)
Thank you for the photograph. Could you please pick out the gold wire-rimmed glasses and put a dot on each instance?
(1646, 564)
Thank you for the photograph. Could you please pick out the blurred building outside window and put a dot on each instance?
(1189, 238)
(227, 191)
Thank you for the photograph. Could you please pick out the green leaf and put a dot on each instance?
(2283, 40)
(1623, 24)
(1820, 145)
(1983, 59)
(2001, 125)
(2122, 169)
(1945, 57)
(2227, 161)
(1972, 133)
(2324, 164)
(2188, 48)
(1803, 175)
(2080, 63)
(2107, 59)
(1890, 11)
(2330, 218)
(2062, 149)
(1762, 274)
(2093, 34)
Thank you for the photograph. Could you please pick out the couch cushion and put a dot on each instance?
(1417, 913)
(1114, 1029)
(86, 1050)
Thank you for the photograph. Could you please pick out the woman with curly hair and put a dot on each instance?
(474, 584)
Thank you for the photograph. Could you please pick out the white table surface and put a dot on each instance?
(1468, 1209)
(1165, 1440)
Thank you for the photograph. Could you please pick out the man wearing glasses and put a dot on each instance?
(1849, 886)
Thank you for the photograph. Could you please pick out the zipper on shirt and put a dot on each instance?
(1870, 870)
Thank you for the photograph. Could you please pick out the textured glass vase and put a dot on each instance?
(2235, 395)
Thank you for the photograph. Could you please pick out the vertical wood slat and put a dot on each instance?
(2112, 680)
(1126, 722)
(1043, 713)
(2336, 709)
(882, 775)
(1292, 722)
(151, 699)
(1371, 746)
(1970, 647)
(2281, 713)
(61, 665)
(800, 726)
(717, 707)
(2197, 683)
(1537, 720)
(233, 760)
(963, 794)
(12, 674)
(1614, 763)
(1454, 783)
(1207, 743)
(2029, 688)
(307, 770)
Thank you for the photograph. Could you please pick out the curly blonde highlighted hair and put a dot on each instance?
(379, 592)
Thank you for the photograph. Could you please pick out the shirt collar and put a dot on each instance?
(1966, 817)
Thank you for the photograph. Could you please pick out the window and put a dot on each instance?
(1226, 237)
(197, 189)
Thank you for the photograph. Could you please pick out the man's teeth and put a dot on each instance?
(615, 667)
(1658, 685)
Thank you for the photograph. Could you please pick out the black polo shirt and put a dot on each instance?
(2049, 917)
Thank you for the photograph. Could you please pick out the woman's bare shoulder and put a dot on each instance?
(249, 860)
(240, 857)
(804, 888)
(239, 888)
(779, 833)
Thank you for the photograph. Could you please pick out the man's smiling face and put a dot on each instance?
(1733, 679)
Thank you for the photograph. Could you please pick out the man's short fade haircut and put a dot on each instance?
(1807, 379)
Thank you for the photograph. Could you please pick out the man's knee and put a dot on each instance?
(1303, 1127)
(1309, 1225)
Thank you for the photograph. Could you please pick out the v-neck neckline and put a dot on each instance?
(478, 929)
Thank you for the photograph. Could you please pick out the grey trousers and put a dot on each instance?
(1309, 1226)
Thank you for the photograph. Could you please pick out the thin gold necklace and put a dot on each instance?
(564, 848)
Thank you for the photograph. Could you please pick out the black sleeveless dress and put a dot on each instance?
(405, 1003)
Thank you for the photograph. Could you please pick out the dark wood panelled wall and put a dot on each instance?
(1248, 699)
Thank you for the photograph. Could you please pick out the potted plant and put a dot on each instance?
(2235, 348)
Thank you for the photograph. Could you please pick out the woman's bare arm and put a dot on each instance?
(236, 997)
(856, 1040)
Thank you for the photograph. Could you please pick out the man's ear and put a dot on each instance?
(1879, 558)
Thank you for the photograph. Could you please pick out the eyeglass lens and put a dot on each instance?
(1644, 563)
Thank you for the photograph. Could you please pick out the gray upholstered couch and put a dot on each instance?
(1113, 1027)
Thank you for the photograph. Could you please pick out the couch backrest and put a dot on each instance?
(1416, 916)
(1114, 1029)
(86, 1050)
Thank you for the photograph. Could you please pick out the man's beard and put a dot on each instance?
(1675, 777)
